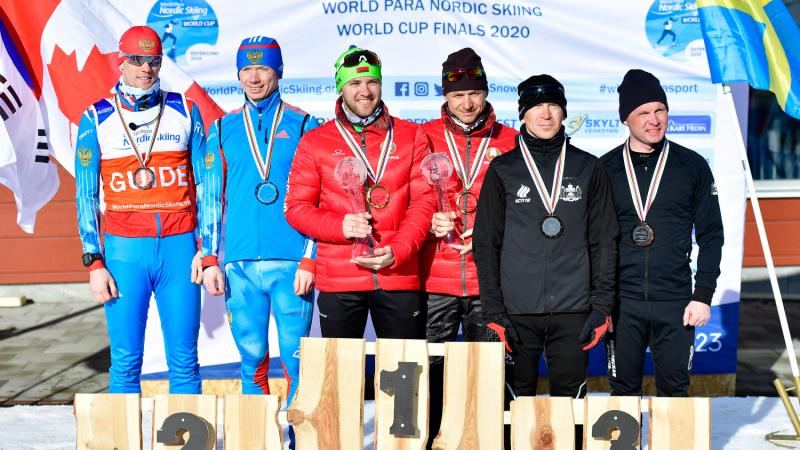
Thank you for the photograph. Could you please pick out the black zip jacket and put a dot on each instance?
(687, 197)
(520, 271)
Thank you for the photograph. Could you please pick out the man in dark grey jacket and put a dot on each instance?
(661, 191)
(545, 243)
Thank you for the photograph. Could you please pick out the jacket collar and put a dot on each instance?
(484, 129)
(380, 125)
(265, 103)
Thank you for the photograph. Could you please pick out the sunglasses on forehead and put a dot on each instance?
(138, 60)
(544, 91)
(361, 56)
(474, 73)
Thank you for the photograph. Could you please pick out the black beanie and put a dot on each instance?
(466, 58)
(552, 92)
(637, 88)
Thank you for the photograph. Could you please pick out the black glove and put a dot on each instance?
(504, 330)
(593, 330)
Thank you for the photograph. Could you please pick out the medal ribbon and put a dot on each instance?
(633, 184)
(467, 179)
(262, 165)
(383, 160)
(550, 200)
(142, 159)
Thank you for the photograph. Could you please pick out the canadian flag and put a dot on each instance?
(70, 50)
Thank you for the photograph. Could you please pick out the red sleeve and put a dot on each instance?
(302, 198)
(413, 230)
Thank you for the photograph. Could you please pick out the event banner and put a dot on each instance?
(588, 46)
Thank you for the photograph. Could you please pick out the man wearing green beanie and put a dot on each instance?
(399, 204)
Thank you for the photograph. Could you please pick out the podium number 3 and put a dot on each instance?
(200, 432)
(612, 420)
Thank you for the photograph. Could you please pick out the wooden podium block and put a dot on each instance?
(409, 387)
(595, 409)
(472, 413)
(251, 421)
(680, 423)
(542, 423)
(328, 407)
(106, 421)
(202, 406)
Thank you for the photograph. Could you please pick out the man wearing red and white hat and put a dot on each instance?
(142, 145)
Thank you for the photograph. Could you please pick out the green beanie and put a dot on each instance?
(367, 65)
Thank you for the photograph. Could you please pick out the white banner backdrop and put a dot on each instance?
(588, 46)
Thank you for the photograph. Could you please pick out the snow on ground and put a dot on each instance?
(737, 423)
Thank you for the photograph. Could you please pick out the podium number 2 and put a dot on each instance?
(200, 436)
(627, 425)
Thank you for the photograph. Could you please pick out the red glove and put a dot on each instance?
(504, 330)
(594, 328)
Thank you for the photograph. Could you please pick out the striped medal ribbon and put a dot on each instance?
(266, 191)
(551, 226)
(383, 161)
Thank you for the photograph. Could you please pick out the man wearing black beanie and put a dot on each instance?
(469, 136)
(657, 305)
(545, 245)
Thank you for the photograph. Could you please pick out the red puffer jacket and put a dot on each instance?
(449, 273)
(316, 203)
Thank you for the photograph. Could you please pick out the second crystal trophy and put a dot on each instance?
(436, 168)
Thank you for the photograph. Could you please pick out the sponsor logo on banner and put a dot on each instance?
(401, 89)
(699, 124)
(673, 30)
(595, 124)
(188, 29)
(421, 88)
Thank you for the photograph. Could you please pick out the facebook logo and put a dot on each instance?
(401, 89)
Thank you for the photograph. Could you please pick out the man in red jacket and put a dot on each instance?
(469, 136)
(398, 208)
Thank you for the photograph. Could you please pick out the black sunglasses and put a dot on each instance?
(547, 91)
(138, 60)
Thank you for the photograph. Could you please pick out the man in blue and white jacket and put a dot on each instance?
(267, 263)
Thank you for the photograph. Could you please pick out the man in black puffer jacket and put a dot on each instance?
(657, 306)
(545, 244)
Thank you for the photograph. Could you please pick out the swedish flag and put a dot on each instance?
(756, 41)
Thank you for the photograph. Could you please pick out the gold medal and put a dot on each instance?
(466, 202)
(378, 196)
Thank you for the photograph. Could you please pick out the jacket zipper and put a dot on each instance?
(547, 309)
(646, 272)
(466, 224)
(369, 210)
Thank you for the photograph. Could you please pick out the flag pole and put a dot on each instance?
(773, 278)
